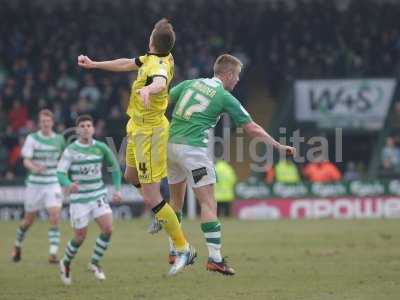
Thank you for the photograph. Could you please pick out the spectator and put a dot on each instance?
(390, 155)
(225, 187)
(351, 172)
(91, 93)
(286, 172)
(18, 116)
(269, 173)
(15, 161)
(321, 171)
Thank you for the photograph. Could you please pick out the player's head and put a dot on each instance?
(84, 127)
(227, 68)
(46, 121)
(162, 38)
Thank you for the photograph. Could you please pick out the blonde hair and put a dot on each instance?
(226, 63)
(47, 113)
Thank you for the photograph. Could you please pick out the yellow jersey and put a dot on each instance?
(150, 65)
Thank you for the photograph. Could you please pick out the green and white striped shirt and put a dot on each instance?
(83, 163)
(44, 151)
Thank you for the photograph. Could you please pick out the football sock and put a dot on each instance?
(171, 242)
(168, 219)
(21, 231)
(70, 251)
(212, 234)
(102, 243)
(54, 240)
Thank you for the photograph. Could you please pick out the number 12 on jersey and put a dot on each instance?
(186, 109)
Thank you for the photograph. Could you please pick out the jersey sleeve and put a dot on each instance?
(28, 147)
(63, 167)
(112, 163)
(139, 61)
(177, 90)
(65, 161)
(235, 110)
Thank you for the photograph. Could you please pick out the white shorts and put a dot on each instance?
(83, 213)
(190, 163)
(39, 197)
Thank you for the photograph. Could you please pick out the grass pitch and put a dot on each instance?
(323, 259)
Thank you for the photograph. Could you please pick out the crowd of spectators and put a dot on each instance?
(319, 170)
(40, 41)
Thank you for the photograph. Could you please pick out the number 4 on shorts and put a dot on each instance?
(142, 167)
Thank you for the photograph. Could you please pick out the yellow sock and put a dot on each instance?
(167, 217)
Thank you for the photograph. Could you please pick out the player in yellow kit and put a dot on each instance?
(147, 129)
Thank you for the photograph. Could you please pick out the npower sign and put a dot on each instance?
(355, 103)
(305, 208)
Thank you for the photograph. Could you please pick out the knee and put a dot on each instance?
(54, 220)
(127, 177)
(132, 179)
(107, 231)
(80, 236)
(28, 221)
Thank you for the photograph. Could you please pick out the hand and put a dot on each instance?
(289, 150)
(73, 188)
(40, 169)
(85, 62)
(117, 197)
(145, 95)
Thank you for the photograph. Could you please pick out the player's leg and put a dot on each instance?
(202, 177)
(53, 203)
(70, 252)
(211, 227)
(32, 204)
(103, 216)
(155, 226)
(131, 176)
(80, 217)
(177, 197)
(164, 214)
(54, 233)
(167, 217)
(27, 221)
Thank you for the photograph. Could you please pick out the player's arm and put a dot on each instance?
(256, 131)
(113, 166)
(27, 154)
(116, 65)
(243, 119)
(62, 173)
(158, 85)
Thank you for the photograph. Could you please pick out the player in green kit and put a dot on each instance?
(41, 152)
(80, 173)
(199, 105)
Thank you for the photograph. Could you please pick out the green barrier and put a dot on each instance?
(261, 190)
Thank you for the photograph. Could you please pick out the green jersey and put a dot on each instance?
(83, 163)
(199, 105)
(44, 151)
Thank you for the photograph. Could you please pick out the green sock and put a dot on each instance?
(54, 240)
(21, 231)
(212, 234)
(102, 243)
(70, 251)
